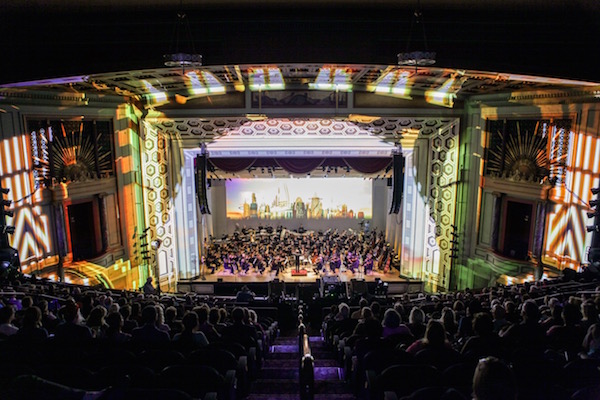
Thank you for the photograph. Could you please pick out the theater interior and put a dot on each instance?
(313, 153)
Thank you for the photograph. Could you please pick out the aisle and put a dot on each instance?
(280, 373)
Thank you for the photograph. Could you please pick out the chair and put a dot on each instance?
(460, 377)
(197, 381)
(402, 380)
(581, 373)
(223, 361)
(376, 361)
(159, 359)
(126, 376)
(246, 361)
(73, 376)
(440, 358)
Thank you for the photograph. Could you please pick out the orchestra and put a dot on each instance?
(274, 250)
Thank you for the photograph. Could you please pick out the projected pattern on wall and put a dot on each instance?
(32, 237)
(158, 200)
(567, 219)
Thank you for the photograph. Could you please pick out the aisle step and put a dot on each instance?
(283, 363)
(275, 386)
(284, 348)
(329, 374)
(280, 373)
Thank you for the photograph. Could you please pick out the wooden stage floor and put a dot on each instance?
(287, 277)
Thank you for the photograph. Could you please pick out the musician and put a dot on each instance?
(368, 264)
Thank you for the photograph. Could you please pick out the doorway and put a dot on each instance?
(517, 232)
(82, 229)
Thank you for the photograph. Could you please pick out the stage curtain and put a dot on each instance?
(299, 165)
(232, 164)
(368, 165)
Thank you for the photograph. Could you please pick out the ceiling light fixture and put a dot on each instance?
(180, 58)
(416, 58)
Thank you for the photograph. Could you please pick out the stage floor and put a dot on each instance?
(287, 277)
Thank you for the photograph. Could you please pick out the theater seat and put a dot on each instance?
(197, 381)
(402, 380)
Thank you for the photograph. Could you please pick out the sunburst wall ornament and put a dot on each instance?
(74, 157)
(518, 154)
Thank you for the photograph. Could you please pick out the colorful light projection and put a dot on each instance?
(445, 94)
(305, 198)
(154, 95)
(566, 239)
(204, 83)
(157, 199)
(333, 78)
(32, 237)
(394, 83)
(267, 78)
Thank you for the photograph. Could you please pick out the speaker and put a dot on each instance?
(201, 183)
(397, 183)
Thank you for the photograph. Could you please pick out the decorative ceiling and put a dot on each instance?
(176, 85)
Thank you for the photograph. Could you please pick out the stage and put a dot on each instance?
(227, 284)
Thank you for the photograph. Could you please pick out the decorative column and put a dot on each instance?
(496, 220)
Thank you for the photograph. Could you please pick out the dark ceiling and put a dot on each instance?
(41, 39)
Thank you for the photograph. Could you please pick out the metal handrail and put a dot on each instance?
(307, 364)
(307, 371)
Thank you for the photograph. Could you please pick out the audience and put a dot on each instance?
(503, 321)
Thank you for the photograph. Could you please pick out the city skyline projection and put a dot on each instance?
(309, 198)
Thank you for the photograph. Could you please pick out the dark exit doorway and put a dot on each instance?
(82, 229)
(517, 232)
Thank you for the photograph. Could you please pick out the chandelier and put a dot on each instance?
(416, 58)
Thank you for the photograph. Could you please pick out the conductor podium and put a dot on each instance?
(297, 271)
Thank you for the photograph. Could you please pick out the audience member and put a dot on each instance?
(7, 316)
(71, 330)
(190, 338)
(493, 380)
(148, 334)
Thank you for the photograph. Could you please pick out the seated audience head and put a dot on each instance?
(493, 380)
(223, 315)
(70, 312)
(571, 314)
(417, 316)
(253, 316)
(237, 315)
(149, 315)
(190, 321)
(498, 311)
(213, 316)
(26, 302)
(32, 317)
(7, 314)
(343, 310)
(114, 321)
(363, 302)
(391, 318)
(376, 309)
(202, 313)
(530, 311)
(483, 325)
(435, 334)
(366, 313)
(399, 307)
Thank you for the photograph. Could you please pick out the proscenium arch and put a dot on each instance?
(421, 233)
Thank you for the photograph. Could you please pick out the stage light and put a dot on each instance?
(156, 243)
